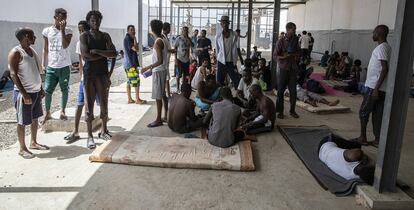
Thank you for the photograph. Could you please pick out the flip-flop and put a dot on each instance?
(71, 137)
(39, 147)
(63, 117)
(154, 124)
(90, 143)
(104, 136)
(26, 155)
(142, 102)
(355, 140)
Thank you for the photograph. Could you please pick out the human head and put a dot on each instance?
(366, 173)
(83, 26)
(238, 31)
(326, 52)
(262, 63)
(131, 30)
(25, 36)
(195, 33)
(186, 90)
(309, 34)
(357, 62)
(282, 34)
(255, 91)
(205, 62)
(255, 48)
(194, 62)
(225, 22)
(60, 15)
(203, 33)
(156, 27)
(290, 29)
(166, 28)
(247, 76)
(210, 79)
(184, 31)
(225, 93)
(94, 19)
(304, 32)
(380, 33)
(248, 63)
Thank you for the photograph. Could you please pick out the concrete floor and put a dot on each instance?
(63, 178)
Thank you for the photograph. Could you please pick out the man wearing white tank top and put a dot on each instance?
(28, 92)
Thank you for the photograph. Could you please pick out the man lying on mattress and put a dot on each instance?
(263, 118)
(346, 159)
(311, 97)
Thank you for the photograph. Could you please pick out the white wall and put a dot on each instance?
(343, 14)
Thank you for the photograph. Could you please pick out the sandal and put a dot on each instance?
(141, 102)
(26, 155)
(63, 117)
(39, 147)
(356, 140)
(90, 144)
(71, 138)
(154, 124)
(105, 135)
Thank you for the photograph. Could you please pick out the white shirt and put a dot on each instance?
(333, 157)
(245, 88)
(57, 57)
(78, 51)
(304, 41)
(198, 77)
(29, 71)
(221, 50)
(381, 52)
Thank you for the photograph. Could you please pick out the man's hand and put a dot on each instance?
(374, 94)
(42, 93)
(62, 25)
(27, 99)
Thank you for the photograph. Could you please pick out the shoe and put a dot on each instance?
(280, 116)
(294, 115)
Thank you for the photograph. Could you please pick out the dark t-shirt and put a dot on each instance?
(204, 42)
(98, 67)
(131, 57)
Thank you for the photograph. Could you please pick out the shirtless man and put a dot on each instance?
(208, 93)
(311, 97)
(181, 117)
(263, 119)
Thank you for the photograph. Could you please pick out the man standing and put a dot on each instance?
(131, 64)
(56, 41)
(304, 41)
(226, 45)
(28, 92)
(311, 42)
(287, 55)
(203, 48)
(166, 29)
(194, 41)
(96, 47)
(182, 56)
(375, 85)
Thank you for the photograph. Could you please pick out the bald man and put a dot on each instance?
(375, 84)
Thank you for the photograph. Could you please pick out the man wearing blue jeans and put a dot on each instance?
(226, 45)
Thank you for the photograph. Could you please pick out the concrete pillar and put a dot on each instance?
(160, 10)
(275, 37)
(171, 13)
(249, 28)
(95, 4)
(238, 14)
(232, 16)
(140, 31)
(396, 99)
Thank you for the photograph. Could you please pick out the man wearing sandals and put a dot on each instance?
(28, 92)
(96, 47)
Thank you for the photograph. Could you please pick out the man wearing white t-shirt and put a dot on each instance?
(55, 49)
(243, 90)
(304, 41)
(375, 84)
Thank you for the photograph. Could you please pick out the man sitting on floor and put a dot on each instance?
(208, 93)
(243, 98)
(346, 159)
(311, 97)
(263, 119)
(223, 118)
(181, 117)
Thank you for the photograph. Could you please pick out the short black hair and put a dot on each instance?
(196, 30)
(210, 77)
(204, 30)
(185, 87)
(327, 52)
(263, 59)
(248, 63)
(247, 71)
(194, 60)
(383, 29)
(304, 32)
(256, 87)
(357, 62)
(84, 24)
(290, 25)
(156, 26)
(130, 26)
(61, 11)
(204, 59)
(166, 26)
(309, 34)
(95, 13)
(22, 32)
(225, 92)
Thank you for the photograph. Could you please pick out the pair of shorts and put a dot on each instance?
(26, 113)
(158, 84)
(133, 77)
(81, 96)
(183, 69)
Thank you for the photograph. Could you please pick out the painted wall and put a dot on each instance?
(344, 25)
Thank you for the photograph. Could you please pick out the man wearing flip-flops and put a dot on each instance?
(28, 92)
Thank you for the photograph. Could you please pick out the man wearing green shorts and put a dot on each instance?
(55, 49)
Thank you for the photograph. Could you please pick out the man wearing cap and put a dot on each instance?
(226, 45)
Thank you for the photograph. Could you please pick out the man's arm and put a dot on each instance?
(111, 70)
(14, 59)
(45, 52)
(191, 115)
(158, 46)
(128, 49)
(110, 51)
(66, 38)
(80, 66)
(208, 117)
(384, 72)
(85, 52)
(135, 46)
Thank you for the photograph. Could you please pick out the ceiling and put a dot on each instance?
(228, 3)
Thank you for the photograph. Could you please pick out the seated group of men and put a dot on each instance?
(225, 121)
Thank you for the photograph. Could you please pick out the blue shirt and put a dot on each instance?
(131, 57)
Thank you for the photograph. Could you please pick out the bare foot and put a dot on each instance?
(141, 101)
(37, 146)
(47, 117)
(26, 154)
(334, 103)
(361, 140)
(63, 116)
(131, 101)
